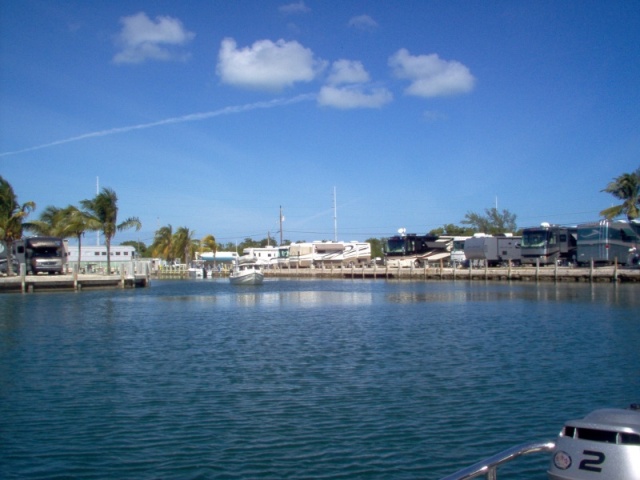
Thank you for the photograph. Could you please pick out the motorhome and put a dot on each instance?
(607, 242)
(458, 257)
(41, 254)
(356, 253)
(549, 244)
(411, 250)
(490, 250)
(327, 254)
(282, 259)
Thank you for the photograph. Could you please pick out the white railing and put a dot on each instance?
(489, 467)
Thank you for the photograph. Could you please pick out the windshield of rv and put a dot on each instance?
(458, 245)
(44, 248)
(46, 252)
(395, 246)
(535, 238)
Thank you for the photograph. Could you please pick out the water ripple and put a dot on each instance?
(327, 380)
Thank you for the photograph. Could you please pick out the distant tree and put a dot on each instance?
(104, 208)
(492, 222)
(12, 214)
(248, 243)
(229, 247)
(268, 241)
(453, 230)
(376, 247)
(626, 187)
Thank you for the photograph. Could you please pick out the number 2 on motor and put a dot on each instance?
(591, 464)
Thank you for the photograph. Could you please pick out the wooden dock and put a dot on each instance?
(524, 274)
(75, 281)
(78, 282)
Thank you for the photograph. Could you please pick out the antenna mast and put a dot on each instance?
(335, 217)
(281, 219)
(97, 193)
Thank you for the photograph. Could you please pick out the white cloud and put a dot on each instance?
(353, 97)
(431, 76)
(142, 38)
(293, 8)
(266, 65)
(347, 88)
(363, 22)
(347, 71)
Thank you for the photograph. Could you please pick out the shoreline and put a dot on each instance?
(78, 282)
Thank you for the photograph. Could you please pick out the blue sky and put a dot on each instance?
(213, 114)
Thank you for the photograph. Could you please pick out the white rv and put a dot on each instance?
(328, 254)
(457, 251)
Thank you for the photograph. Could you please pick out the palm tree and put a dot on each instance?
(103, 208)
(73, 222)
(626, 187)
(163, 243)
(209, 242)
(183, 244)
(11, 217)
(47, 223)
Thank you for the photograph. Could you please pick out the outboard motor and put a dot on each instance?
(604, 445)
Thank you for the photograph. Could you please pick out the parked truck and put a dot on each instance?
(490, 250)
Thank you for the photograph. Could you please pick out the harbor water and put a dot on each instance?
(326, 379)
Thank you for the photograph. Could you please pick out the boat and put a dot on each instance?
(197, 269)
(246, 272)
(605, 445)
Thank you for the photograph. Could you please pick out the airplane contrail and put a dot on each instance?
(193, 117)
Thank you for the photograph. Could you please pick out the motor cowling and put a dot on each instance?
(603, 445)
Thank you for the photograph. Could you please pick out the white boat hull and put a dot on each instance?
(246, 275)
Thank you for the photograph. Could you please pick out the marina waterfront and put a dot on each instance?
(306, 378)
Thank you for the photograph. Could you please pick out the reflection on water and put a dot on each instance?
(304, 379)
(299, 298)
